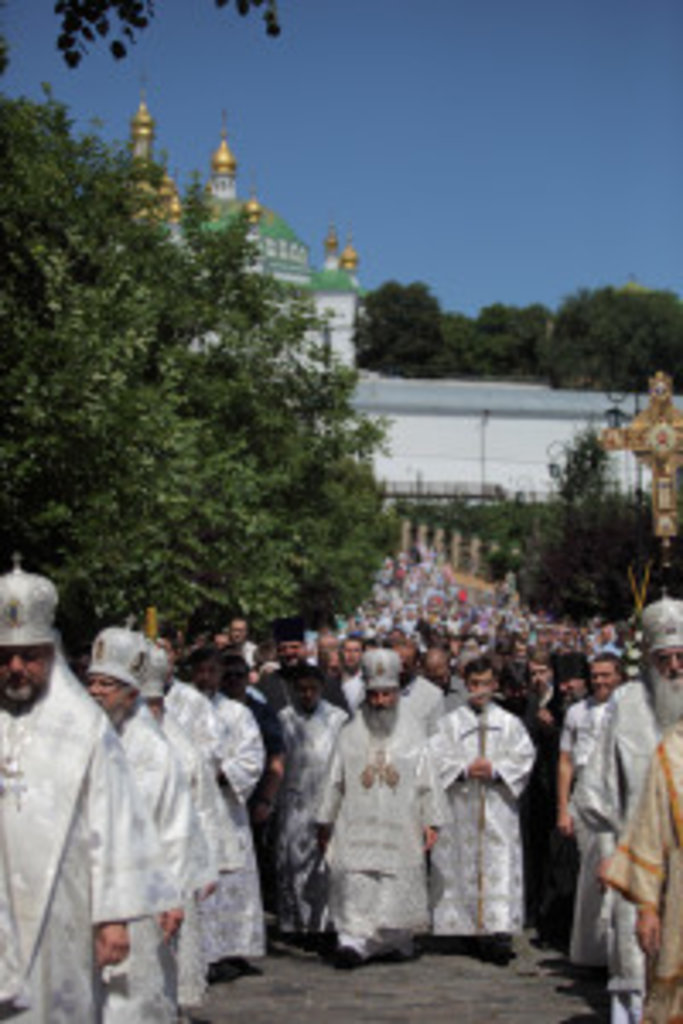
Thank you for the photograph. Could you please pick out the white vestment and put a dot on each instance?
(210, 810)
(197, 718)
(477, 880)
(606, 796)
(144, 987)
(302, 874)
(77, 848)
(354, 691)
(232, 918)
(588, 944)
(11, 973)
(425, 701)
(379, 796)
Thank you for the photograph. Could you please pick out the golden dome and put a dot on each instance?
(223, 162)
(349, 257)
(142, 125)
(167, 188)
(175, 209)
(254, 210)
(331, 241)
(170, 207)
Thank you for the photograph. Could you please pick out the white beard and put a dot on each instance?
(380, 721)
(667, 697)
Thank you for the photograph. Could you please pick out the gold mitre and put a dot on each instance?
(27, 608)
(663, 624)
(382, 668)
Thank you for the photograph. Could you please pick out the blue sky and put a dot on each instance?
(497, 150)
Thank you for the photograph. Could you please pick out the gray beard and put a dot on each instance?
(667, 697)
(380, 721)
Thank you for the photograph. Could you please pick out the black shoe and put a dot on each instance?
(242, 966)
(496, 949)
(221, 971)
(346, 959)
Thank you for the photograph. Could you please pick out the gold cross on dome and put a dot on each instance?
(655, 436)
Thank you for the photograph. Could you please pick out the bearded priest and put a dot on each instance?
(74, 853)
(379, 815)
(613, 779)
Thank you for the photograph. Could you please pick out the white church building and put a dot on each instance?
(333, 287)
(482, 438)
(443, 437)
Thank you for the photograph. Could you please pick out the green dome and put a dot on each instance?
(283, 253)
(333, 281)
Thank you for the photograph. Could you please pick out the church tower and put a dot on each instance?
(223, 170)
(142, 132)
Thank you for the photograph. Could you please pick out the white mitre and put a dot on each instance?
(27, 609)
(156, 674)
(663, 624)
(121, 654)
(381, 668)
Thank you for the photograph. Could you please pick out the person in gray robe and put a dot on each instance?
(379, 814)
(310, 726)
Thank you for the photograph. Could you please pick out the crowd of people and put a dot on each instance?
(443, 763)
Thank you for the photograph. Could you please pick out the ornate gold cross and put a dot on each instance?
(655, 436)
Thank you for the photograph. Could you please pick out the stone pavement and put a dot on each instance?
(537, 987)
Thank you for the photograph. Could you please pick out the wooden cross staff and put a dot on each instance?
(655, 436)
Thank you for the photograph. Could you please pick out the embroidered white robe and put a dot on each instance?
(78, 848)
(144, 987)
(588, 944)
(425, 701)
(232, 918)
(198, 721)
(302, 872)
(606, 796)
(210, 809)
(477, 869)
(11, 973)
(379, 796)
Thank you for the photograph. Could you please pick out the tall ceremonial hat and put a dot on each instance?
(288, 629)
(382, 668)
(120, 654)
(571, 665)
(27, 608)
(663, 624)
(156, 672)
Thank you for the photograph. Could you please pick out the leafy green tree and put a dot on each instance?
(579, 566)
(399, 330)
(460, 357)
(613, 339)
(170, 433)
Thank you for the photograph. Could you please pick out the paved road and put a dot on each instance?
(537, 987)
